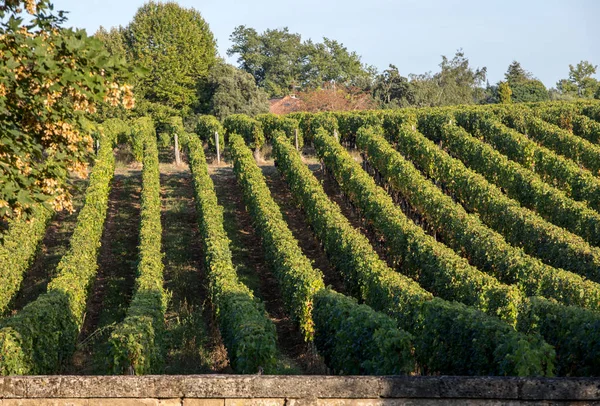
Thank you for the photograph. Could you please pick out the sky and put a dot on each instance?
(545, 36)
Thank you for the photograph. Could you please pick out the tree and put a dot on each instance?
(581, 77)
(113, 41)
(392, 89)
(331, 62)
(275, 58)
(525, 88)
(504, 93)
(177, 48)
(229, 90)
(529, 91)
(51, 78)
(282, 64)
(516, 74)
(458, 82)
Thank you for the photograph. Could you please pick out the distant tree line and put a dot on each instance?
(176, 52)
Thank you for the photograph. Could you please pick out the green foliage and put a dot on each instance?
(50, 79)
(280, 62)
(250, 129)
(116, 130)
(310, 123)
(455, 83)
(520, 226)
(524, 87)
(302, 286)
(449, 337)
(206, 128)
(581, 80)
(356, 340)
(468, 234)
(228, 90)
(520, 183)
(298, 281)
(177, 48)
(141, 128)
(248, 333)
(554, 169)
(570, 117)
(272, 123)
(560, 141)
(42, 336)
(393, 90)
(136, 342)
(504, 93)
(418, 255)
(17, 251)
(529, 91)
(573, 331)
(349, 123)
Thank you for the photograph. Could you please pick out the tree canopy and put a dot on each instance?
(51, 78)
(229, 90)
(281, 63)
(175, 46)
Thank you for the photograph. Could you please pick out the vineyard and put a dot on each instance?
(461, 240)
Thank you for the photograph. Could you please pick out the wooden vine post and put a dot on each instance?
(177, 154)
(296, 139)
(218, 148)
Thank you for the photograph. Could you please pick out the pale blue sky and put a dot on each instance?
(544, 35)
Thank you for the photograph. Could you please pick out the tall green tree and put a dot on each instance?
(228, 90)
(525, 88)
(281, 63)
(456, 83)
(177, 48)
(113, 41)
(504, 93)
(393, 90)
(330, 61)
(274, 58)
(581, 77)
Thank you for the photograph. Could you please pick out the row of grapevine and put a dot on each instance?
(334, 321)
(249, 128)
(297, 279)
(18, 247)
(43, 335)
(579, 150)
(206, 128)
(271, 123)
(592, 111)
(520, 226)
(574, 332)
(523, 185)
(554, 169)
(449, 337)
(418, 255)
(570, 117)
(248, 333)
(465, 232)
(136, 342)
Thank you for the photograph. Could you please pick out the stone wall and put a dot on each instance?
(235, 390)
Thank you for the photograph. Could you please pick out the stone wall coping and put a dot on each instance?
(298, 387)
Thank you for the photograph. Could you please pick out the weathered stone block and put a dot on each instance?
(45, 402)
(203, 402)
(255, 402)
